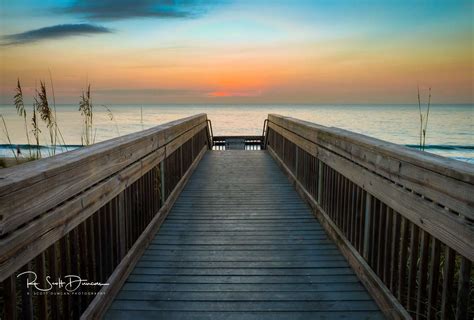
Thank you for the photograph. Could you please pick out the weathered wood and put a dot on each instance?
(433, 307)
(447, 227)
(33, 188)
(40, 263)
(386, 301)
(414, 249)
(26, 294)
(421, 299)
(463, 289)
(9, 298)
(448, 275)
(102, 301)
(237, 250)
(36, 236)
(436, 177)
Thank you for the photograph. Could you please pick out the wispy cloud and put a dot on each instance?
(127, 9)
(52, 32)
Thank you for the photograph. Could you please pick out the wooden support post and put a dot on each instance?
(463, 289)
(162, 177)
(9, 294)
(121, 215)
(320, 181)
(296, 162)
(368, 202)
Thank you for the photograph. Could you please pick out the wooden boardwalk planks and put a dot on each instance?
(240, 243)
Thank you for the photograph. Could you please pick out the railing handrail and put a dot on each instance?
(428, 188)
(460, 170)
(20, 193)
(50, 185)
(402, 218)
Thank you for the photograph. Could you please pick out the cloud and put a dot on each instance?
(53, 32)
(127, 9)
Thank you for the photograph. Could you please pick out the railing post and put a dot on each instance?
(121, 218)
(296, 161)
(368, 204)
(162, 177)
(320, 181)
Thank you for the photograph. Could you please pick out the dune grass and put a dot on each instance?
(423, 119)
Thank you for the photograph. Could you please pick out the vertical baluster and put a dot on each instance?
(73, 247)
(353, 210)
(423, 275)
(106, 240)
(334, 195)
(26, 294)
(367, 223)
(162, 178)
(463, 289)
(356, 227)
(9, 297)
(388, 242)
(53, 272)
(343, 206)
(414, 249)
(381, 238)
(42, 300)
(320, 181)
(403, 261)
(98, 245)
(448, 278)
(65, 270)
(122, 225)
(296, 163)
(434, 279)
(395, 251)
(362, 213)
(91, 246)
(83, 259)
(374, 228)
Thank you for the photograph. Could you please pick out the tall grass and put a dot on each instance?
(36, 130)
(46, 114)
(112, 118)
(20, 108)
(44, 111)
(423, 119)
(5, 129)
(87, 111)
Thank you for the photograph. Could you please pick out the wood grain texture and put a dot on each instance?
(31, 189)
(384, 298)
(443, 180)
(101, 302)
(451, 229)
(239, 242)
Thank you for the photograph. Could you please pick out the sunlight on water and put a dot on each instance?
(448, 125)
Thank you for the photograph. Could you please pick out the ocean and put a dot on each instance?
(449, 133)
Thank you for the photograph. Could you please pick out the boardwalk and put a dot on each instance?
(240, 243)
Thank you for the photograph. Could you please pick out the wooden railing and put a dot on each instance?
(89, 213)
(248, 142)
(403, 218)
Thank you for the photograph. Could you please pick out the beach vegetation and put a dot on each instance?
(424, 115)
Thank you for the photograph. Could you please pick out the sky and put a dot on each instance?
(248, 51)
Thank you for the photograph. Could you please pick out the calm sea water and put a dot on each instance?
(450, 127)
